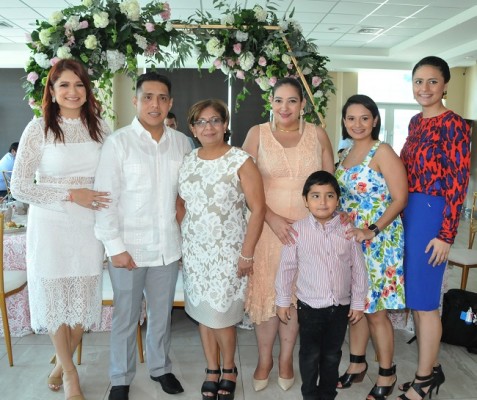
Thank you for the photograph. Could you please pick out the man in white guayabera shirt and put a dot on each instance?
(139, 166)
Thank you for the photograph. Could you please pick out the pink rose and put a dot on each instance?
(217, 63)
(54, 60)
(166, 13)
(240, 74)
(262, 61)
(272, 81)
(31, 102)
(237, 48)
(149, 27)
(83, 25)
(230, 62)
(32, 77)
(315, 81)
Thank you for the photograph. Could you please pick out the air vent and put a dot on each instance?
(5, 24)
(370, 30)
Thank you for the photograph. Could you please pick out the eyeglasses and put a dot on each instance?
(214, 121)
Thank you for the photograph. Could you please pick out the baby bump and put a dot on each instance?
(284, 197)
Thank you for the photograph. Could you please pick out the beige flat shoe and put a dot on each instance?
(285, 384)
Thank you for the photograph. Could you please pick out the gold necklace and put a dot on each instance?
(288, 130)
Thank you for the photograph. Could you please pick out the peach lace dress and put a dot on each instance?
(284, 171)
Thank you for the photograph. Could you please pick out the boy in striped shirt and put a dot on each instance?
(331, 286)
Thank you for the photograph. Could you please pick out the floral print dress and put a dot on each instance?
(365, 196)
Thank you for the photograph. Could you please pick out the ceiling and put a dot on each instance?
(410, 29)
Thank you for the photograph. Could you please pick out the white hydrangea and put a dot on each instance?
(168, 27)
(286, 59)
(90, 42)
(241, 36)
(263, 82)
(116, 60)
(87, 3)
(63, 52)
(318, 94)
(55, 18)
(101, 19)
(306, 71)
(214, 47)
(131, 9)
(283, 25)
(260, 13)
(227, 19)
(45, 37)
(42, 60)
(246, 60)
(73, 22)
(141, 41)
(271, 50)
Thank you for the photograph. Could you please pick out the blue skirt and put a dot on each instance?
(422, 219)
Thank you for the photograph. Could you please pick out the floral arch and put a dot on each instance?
(246, 44)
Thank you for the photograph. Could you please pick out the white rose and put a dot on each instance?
(241, 36)
(55, 18)
(283, 25)
(87, 3)
(90, 42)
(214, 48)
(318, 94)
(42, 60)
(306, 70)
(246, 60)
(63, 52)
(260, 13)
(100, 19)
(168, 27)
(131, 9)
(286, 59)
(73, 22)
(271, 50)
(45, 37)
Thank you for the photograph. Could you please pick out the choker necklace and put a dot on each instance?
(288, 130)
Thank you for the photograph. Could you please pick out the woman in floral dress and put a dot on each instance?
(374, 191)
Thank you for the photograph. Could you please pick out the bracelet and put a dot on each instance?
(246, 259)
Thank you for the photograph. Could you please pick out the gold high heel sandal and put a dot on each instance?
(55, 382)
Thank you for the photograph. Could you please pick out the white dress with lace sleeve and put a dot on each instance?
(64, 259)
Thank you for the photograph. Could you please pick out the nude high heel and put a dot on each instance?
(260, 384)
(285, 384)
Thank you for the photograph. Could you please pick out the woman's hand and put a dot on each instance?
(90, 198)
(360, 235)
(281, 227)
(245, 268)
(440, 251)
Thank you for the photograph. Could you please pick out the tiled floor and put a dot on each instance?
(27, 379)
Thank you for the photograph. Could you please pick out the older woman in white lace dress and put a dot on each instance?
(54, 172)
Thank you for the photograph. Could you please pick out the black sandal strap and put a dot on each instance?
(212, 371)
(357, 359)
(388, 371)
(426, 381)
(230, 370)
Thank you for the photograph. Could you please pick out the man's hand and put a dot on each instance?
(123, 260)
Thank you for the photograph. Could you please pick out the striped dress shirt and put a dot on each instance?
(330, 270)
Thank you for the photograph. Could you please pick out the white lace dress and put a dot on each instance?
(64, 259)
(213, 231)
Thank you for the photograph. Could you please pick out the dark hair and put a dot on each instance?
(289, 81)
(13, 146)
(171, 115)
(437, 62)
(218, 105)
(321, 178)
(90, 110)
(155, 77)
(369, 104)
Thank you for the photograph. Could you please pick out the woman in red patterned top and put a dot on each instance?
(437, 158)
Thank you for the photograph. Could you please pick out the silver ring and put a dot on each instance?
(94, 204)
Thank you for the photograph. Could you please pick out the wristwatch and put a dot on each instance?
(374, 228)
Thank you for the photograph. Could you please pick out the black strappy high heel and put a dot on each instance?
(438, 376)
(348, 379)
(382, 392)
(426, 381)
(210, 386)
(227, 385)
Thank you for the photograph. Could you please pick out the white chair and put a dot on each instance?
(465, 259)
(11, 282)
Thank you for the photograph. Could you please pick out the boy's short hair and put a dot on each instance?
(156, 77)
(321, 178)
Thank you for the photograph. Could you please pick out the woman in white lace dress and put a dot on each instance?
(217, 183)
(54, 170)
